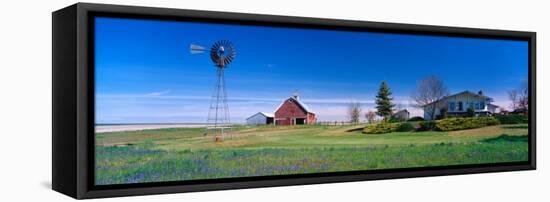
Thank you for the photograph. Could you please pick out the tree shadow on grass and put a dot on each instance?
(507, 138)
(360, 129)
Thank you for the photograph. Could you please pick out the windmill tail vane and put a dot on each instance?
(195, 49)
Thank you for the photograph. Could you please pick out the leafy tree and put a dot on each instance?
(384, 105)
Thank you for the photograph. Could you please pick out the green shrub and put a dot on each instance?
(464, 123)
(394, 120)
(381, 128)
(416, 118)
(405, 127)
(470, 112)
(426, 125)
(512, 118)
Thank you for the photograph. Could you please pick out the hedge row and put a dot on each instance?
(426, 126)
(386, 127)
(512, 118)
(451, 124)
(381, 128)
(405, 127)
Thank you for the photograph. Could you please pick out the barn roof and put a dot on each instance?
(306, 108)
(267, 114)
(262, 113)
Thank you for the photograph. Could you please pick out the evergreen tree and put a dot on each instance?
(384, 105)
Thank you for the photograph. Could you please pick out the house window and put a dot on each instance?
(452, 106)
(477, 106)
(460, 106)
(482, 105)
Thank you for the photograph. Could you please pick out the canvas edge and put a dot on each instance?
(83, 190)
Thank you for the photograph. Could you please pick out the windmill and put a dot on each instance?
(218, 122)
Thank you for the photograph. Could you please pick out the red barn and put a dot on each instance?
(293, 112)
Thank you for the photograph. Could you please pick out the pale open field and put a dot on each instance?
(137, 127)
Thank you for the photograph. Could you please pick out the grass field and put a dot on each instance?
(185, 154)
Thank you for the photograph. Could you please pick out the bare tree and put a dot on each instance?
(370, 116)
(523, 98)
(513, 96)
(519, 98)
(429, 95)
(354, 112)
(399, 107)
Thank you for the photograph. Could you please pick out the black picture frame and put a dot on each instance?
(73, 100)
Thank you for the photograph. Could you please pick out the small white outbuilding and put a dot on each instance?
(260, 118)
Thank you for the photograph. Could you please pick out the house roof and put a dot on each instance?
(471, 93)
(403, 110)
(306, 108)
(462, 93)
(262, 113)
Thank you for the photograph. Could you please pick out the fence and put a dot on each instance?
(341, 123)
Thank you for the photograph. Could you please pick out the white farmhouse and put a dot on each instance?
(260, 118)
(458, 104)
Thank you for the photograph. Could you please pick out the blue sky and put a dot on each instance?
(146, 74)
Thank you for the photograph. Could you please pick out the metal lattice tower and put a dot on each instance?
(219, 122)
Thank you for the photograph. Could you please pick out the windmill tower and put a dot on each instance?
(218, 122)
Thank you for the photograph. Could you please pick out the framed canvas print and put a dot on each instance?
(153, 100)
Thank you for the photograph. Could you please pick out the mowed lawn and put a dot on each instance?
(186, 154)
